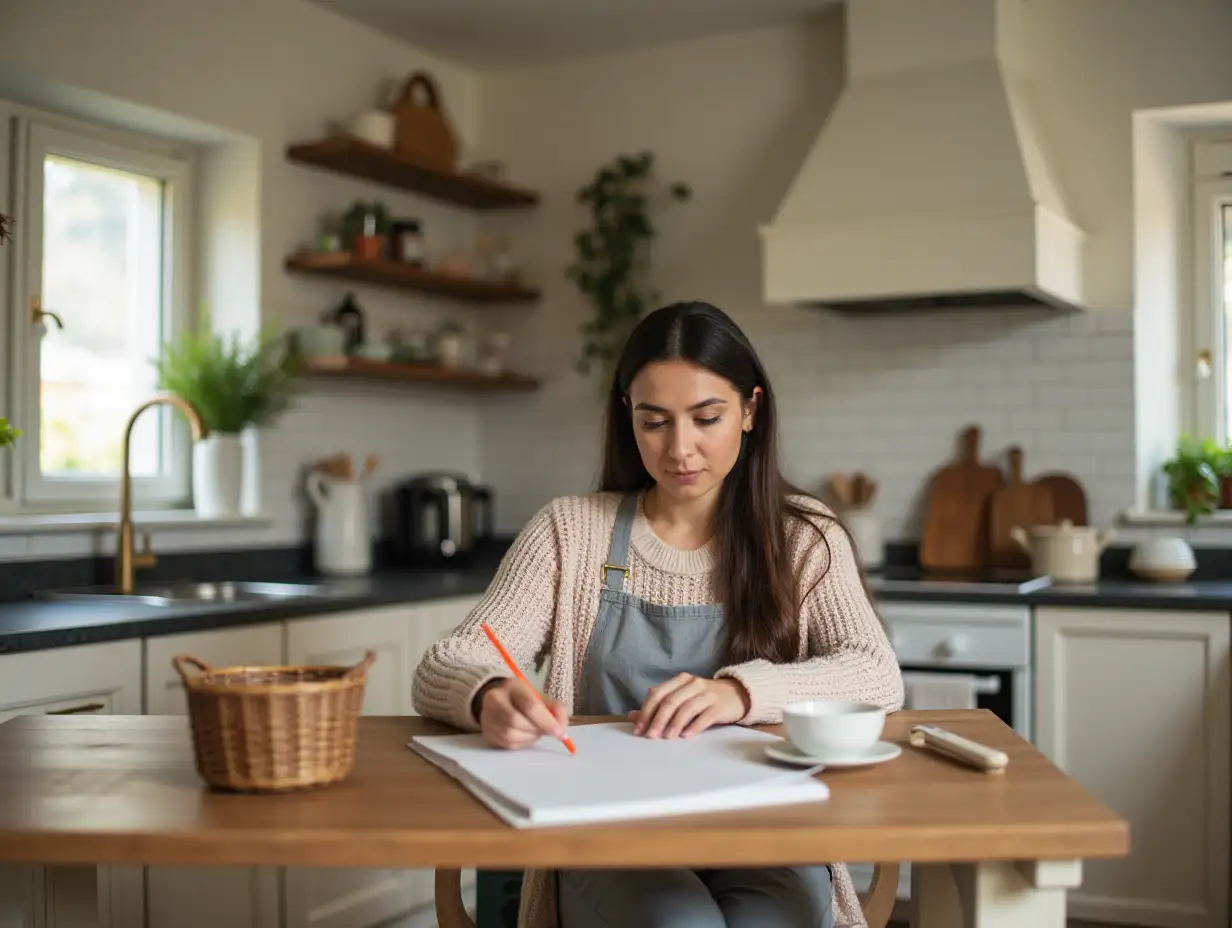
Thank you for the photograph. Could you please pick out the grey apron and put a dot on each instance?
(636, 645)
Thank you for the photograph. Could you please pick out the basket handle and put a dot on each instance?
(422, 80)
(362, 667)
(180, 660)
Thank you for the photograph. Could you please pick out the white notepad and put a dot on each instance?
(616, 775)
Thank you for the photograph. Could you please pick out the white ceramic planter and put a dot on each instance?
(218, 475)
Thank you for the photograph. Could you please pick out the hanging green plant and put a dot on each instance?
(612, 256)
(6, 228)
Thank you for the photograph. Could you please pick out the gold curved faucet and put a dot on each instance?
(126, 561)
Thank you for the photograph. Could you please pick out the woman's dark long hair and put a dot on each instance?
(755, 573)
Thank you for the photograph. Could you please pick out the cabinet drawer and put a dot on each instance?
(941, 643)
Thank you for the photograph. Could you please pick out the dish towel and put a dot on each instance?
(939, 690)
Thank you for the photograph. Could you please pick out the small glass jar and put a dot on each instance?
(408, 242)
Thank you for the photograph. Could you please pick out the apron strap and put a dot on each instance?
(616, 567)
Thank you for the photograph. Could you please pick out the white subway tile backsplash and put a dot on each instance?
(889, 395)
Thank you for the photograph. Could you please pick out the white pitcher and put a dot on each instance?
(343, 545)
(865, 531)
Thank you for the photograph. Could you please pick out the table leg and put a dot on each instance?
(53, 897)
(450, 912)
(992, 894)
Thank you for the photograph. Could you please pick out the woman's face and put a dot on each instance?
(688, 424)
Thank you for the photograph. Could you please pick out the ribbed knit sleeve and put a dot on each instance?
(519, 606)
(847, 656)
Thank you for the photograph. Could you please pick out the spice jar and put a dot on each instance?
(408, 242)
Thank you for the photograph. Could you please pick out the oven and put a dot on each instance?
(984, 647)
(987, 646)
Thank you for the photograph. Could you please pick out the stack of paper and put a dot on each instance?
(618, 775)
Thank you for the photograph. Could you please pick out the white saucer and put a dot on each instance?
(788, 753)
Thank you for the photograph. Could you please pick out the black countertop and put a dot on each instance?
(1205, 594)
(33, 624)
(28, 623)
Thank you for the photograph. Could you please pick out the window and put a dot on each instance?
(1212, 324)
(102, 243)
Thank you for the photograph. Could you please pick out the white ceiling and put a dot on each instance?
(490, 34)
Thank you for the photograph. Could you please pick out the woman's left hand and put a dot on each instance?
(686, 705)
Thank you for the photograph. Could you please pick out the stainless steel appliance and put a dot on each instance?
(441, 517)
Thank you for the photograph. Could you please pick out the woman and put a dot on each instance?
(694, 521)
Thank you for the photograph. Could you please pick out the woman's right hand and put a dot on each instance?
(511, 715)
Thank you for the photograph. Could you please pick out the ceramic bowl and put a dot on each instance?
(1167, 558)
(320, 341)
(824, 728)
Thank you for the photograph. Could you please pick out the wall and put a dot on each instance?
(734, 116)
(244, 78)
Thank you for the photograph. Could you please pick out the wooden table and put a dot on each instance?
(78, 791)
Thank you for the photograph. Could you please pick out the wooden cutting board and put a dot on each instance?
(955, 536)
(1069, 500)
(1017, 503)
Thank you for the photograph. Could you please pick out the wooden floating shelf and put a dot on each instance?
(350, 368)
(407, 277)
(347, 155)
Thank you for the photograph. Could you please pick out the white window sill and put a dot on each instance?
(1220, 517)
(76, 522)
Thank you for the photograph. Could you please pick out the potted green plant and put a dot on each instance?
(1222, 462)
(1193, 476)
(235, 384)
(612, 257)
(8, 434)
(365, 229)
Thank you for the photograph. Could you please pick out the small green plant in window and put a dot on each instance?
(1193, 476)
(8, 434)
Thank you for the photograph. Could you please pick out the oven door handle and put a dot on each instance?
(987, 686)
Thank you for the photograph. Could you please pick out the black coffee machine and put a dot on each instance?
(441, 518)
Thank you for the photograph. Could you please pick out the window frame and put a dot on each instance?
(36, 134)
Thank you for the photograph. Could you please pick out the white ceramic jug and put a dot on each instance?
(866, 537)
(343, 545)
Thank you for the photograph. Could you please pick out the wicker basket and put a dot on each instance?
(422, 131)
(270, 729)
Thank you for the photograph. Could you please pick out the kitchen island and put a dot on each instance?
(81, 792)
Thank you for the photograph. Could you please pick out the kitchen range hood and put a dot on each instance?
(930, 185)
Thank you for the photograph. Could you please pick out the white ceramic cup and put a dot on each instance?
(830, 729)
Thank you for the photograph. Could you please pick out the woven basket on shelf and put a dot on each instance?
(422, 131)
(267, 729)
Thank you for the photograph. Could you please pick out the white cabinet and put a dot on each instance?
(432, 621)
(101, 679)
(1136, 705)
(346, 898)
(205, 897)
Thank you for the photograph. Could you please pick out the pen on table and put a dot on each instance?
(505, 656)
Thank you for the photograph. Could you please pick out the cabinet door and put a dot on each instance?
(1135, 705)
(205, 897)
(352, 898)
(97, 679)
(432, 621)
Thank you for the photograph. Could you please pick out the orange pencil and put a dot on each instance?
(564, 739)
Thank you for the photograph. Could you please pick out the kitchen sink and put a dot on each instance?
(188, 593)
